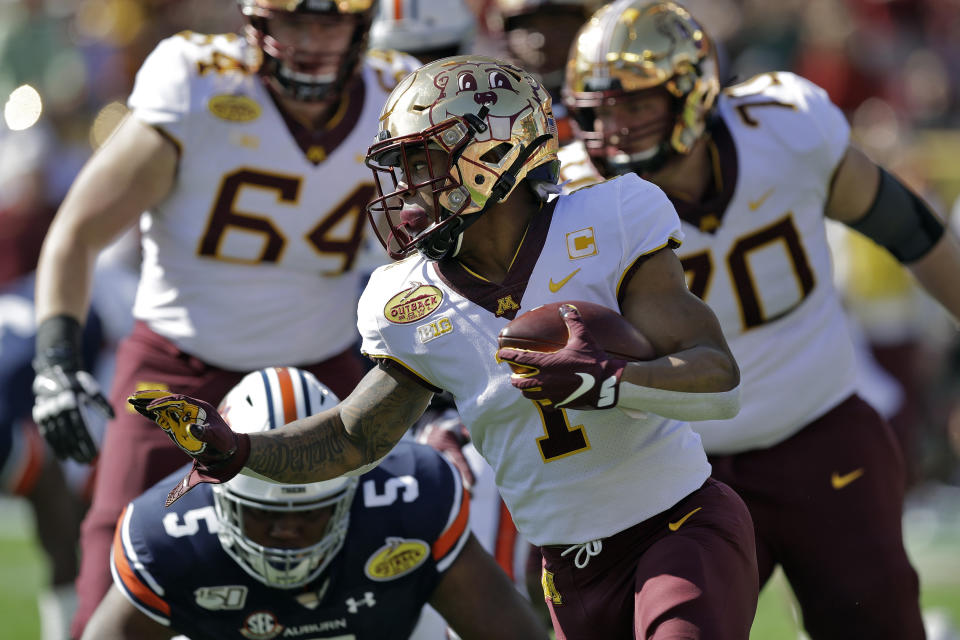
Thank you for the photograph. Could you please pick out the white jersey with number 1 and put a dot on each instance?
(566, 476)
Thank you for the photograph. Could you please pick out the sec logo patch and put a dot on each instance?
(412, 304)
(234, 108)
(397, 558)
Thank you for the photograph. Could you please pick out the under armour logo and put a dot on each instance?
(353, 605)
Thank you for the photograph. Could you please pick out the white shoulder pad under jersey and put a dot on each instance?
(250, 261)
(558, 471)
(763, 264)
(576, 168)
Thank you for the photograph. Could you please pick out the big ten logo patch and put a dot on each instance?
(433, 330)
(581, 244)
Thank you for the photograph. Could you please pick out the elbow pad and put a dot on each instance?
(679, 405)
(900, 221)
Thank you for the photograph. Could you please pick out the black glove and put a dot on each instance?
(64, 393)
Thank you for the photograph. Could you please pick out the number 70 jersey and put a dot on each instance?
(757, 253)
(251, 260)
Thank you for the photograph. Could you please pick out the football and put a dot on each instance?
(542, 329)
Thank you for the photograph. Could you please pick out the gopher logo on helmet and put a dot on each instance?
(466, 86)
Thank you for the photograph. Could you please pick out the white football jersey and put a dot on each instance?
(566, 476)
(250, 260)
(757, 253)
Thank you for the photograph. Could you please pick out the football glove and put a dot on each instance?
(67, 399)
(447, 434)
(581, 375)
(218, 452)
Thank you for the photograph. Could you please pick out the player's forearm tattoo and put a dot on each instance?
(377, 413)
(300, 457)
(368, 425)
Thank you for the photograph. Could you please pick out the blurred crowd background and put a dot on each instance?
(66, 67)
(893, 66)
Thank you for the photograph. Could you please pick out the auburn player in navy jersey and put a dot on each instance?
(351, 557)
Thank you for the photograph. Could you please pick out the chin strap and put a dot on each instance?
(446, 242)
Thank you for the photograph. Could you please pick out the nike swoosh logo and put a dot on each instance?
(679, 523)
(556, 286)
(756, 204)
(586, 383)
(840, 481)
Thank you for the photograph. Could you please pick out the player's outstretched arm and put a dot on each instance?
(348, 438)
(117, 619)
(352, 436)
(478, 601)
(877, 204)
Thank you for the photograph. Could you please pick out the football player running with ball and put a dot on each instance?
(242, 161)
(347, 557)
(752, 170)
(640, 541)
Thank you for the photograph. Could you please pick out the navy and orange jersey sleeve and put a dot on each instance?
(157, 553)
(427, 497)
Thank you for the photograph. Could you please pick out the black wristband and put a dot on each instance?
(59, 342)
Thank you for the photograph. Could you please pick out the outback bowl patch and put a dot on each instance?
(234, 108)
(412, 304)
(396, 558)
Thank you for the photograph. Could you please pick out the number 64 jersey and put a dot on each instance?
(756, 251)
(266, 219)
(408, 523)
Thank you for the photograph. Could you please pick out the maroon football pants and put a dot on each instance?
(136, 453)
(689, 573)
(827, 506)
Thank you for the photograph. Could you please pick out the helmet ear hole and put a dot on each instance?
(496, 155)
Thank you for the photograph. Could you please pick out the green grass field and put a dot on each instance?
(931, 525)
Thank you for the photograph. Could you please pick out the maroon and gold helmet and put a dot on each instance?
(633, 46)
(298, 74)
(494, 126)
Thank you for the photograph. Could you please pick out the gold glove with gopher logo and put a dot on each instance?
(174, 417)
(195, 426)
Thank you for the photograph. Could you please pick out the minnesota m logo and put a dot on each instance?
(506, 305)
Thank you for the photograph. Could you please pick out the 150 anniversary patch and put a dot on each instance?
(413, 304)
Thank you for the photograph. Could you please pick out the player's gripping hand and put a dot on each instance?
(581, 375)
(447, 435)
(65, 400)
(218, 452)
